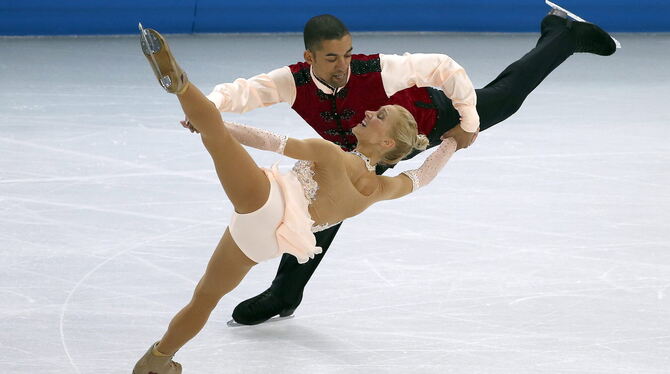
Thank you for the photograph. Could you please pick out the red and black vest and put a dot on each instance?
(333, 116)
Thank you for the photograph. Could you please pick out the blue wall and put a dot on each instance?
(79, 17)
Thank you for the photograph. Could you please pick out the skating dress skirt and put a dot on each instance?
(283, 224)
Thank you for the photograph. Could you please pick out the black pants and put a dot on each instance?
(496, 102)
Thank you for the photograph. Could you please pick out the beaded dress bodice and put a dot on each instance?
(304, 170)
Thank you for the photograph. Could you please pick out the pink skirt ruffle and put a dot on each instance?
(294, 233)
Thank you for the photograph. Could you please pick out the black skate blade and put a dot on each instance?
(232, 322)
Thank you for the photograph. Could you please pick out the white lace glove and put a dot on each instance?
(257, 138)
(433, 164)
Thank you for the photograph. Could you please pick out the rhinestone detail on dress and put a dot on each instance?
(303, 170)
(305, 173)
(318, 228)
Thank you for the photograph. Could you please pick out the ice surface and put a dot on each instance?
(544, 248)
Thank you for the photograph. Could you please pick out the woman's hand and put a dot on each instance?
(463, 138)
(188, 125)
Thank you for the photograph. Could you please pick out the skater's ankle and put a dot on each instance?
(187, 84)
(156, 352)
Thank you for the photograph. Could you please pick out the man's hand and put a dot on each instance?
(463, 138)
(188, 125)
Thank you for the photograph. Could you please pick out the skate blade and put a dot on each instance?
(232, 322)
(577, 18)
(150, 44)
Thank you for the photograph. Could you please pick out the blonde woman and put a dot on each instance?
(277, 213)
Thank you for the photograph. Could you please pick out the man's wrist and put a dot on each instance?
(469, 118)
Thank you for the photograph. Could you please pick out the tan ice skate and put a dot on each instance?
(171, 77)
(152, 364)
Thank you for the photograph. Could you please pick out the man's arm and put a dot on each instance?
(437, 70)
(259, 91)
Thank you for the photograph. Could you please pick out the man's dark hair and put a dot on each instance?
(323, 27)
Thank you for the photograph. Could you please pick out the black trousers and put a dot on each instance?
(496, 102)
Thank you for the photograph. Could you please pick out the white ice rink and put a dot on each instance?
(543, 248)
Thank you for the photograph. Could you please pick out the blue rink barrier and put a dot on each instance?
(86, 17)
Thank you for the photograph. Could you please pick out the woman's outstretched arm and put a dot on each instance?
(312, 149)
(257, 138)
(411, 180)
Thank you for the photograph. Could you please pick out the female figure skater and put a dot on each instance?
(275, 213)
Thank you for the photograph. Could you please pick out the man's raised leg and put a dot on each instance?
(559, 39)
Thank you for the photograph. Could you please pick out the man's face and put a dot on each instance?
(330, 60)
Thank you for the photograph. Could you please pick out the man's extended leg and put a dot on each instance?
(559, 39)
(285, 293)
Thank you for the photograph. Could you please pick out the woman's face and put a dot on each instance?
(376, 125)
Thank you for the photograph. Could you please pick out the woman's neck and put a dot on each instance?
(373, 156)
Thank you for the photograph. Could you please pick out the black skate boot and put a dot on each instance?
(589, 38)
(261, 308)
(285, 293)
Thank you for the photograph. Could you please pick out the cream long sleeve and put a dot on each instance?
(259, 91)
(437, 70)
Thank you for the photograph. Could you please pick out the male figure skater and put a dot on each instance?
(332, 89)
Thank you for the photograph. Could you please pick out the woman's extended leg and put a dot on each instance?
(225, 270)
(245, 183)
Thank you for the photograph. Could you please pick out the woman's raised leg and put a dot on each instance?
(245, 183)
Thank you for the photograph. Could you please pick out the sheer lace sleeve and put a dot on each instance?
(433, 164)
(257, 138)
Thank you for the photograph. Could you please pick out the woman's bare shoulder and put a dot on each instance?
(313, 149)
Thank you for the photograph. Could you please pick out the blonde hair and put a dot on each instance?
(406, 135)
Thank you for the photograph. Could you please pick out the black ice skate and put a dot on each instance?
(590, 38)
